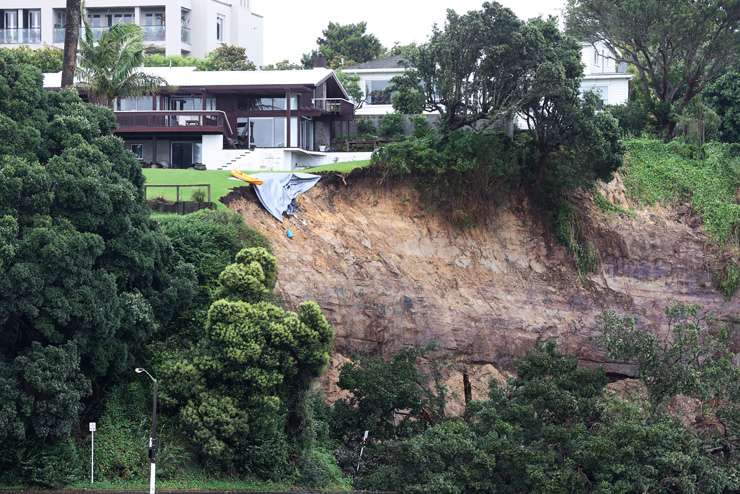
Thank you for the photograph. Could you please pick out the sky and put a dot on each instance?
(292, 26)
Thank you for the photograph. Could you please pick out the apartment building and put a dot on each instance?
(172, 27)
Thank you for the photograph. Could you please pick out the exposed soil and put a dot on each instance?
(390, 273)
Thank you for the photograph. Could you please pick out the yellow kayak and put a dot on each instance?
(247, 178)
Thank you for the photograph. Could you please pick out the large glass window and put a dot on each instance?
(263, 132)
(190, 103)
(152, 23)
(378, 92)
(131, 103)
(294, 132)
(261, 103)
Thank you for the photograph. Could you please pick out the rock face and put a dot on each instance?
(389, 273)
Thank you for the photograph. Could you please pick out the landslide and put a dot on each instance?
(390, 272)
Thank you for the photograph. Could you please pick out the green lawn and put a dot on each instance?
(220, 180)
(339, 167)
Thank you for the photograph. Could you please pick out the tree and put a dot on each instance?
(240, 392)
(46, 59)
(85, 276)
(391, 398)
(109, 68)
(724, 97)
(693, 360)
(344, 44)
(471, 68)
(227, 57)
(283, 65)
(551, 429)
(71, 41)
(351, 84)
(677, 47)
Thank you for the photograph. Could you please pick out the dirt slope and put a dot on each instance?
(389, 274)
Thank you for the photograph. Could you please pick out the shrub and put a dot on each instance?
(570, 231)
(365, 126)
(317, 468)
(209, 239)
(392, 126)
(668, 173)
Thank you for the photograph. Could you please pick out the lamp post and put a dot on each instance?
(153, 433)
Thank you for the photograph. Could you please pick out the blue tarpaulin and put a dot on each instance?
(279, 190)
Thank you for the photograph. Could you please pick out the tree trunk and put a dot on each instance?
(71, 39)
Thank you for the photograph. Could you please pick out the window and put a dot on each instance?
(138, 150)
(220, 28)
(378, 92)
(262, 103)
(262, 132)
(131, 103)
(190, 103)
(185, 26)
(601, 91)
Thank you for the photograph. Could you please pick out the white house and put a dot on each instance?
(601, 74)
(172, 27)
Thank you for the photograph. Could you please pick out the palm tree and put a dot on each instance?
(71, 39)
(109, 69)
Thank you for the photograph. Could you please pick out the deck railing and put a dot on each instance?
(338, 106)
(142, 121)
(13, 36)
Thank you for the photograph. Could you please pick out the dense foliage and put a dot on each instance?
(678, 47)
(227, 57)
(344, 44)
(673, 172)
(86, 276)
(393, 398)
(552, 429)
(46, 59)
(480, 70)
(109, 67)
(240, 390)
(724, 98)
(224, 57)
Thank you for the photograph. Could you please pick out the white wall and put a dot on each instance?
(242, 27)
(597, 60)
(614, 89)
(215, 157)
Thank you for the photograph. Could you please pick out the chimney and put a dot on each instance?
(319, 62)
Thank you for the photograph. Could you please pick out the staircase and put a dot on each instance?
(233, 161)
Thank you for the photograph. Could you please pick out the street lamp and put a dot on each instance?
(153, 433)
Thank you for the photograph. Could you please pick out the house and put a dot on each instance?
(171, 27)
(601, 74)
(249, 120)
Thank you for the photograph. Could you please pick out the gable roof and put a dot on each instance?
(189, 77)
(392, 62)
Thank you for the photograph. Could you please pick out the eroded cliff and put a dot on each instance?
(389, 273)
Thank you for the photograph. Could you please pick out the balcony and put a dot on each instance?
(202, 122)
(20, 36)
(334, 106)
(154, 32)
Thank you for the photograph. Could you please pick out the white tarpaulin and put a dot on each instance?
(280, 189)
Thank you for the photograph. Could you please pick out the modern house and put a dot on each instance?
(172, 27)
(601, 74)
(249, 120)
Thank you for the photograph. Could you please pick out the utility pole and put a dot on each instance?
(152, 434)
(92, 452)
